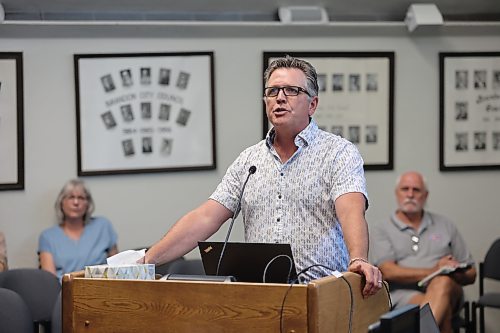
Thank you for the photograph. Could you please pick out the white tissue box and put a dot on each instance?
(126, 272)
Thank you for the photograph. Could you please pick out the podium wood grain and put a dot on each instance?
(100, 305)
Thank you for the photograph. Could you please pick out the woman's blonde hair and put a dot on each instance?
(68, 188)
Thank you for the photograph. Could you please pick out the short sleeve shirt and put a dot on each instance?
(71, 255)
(294, 202)
(437, 237)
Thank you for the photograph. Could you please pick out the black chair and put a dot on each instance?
(15, 317)
(56, 318)
(161, 269)
(164, 269)
(189, 267)
(488, 269)
(464, 321)
(38, 289)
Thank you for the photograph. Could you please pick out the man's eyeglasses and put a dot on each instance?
(414, 240)
(287, 91)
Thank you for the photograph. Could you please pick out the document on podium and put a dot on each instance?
(442, 271)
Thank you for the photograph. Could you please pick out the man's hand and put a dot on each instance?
(372, 275)
(447, 260)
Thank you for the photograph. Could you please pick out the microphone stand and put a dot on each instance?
(251, 171)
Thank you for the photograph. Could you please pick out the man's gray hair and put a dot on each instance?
(291, 62)
(426, 188)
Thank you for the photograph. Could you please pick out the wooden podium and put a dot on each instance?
(323, 305)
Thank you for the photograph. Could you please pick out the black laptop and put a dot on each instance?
(250, 262)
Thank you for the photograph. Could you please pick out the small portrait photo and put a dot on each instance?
(164, 112)
(495, 136)
(461, 110)
(127, 113)
(461, 141)
(371, 82)
(164, 77)
(495, 80)
(146, 110)
(461, 79)
(321, 82)
(147, 144)
(107, 83)
(183, 117)
(354, 82)
(145, 75)
(480, 79)
(338, 82)
(354, 134)
(128, 147)
(108, 119)
(166, 146)
(479, 140)
(371, 133)
(338, 130)
(126, 76)
(182, 80)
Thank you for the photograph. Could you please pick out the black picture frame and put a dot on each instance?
(469, 111)
(364, 83)
(145, 112)
(11, 121)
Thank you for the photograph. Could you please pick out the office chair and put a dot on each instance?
(38, 289)
(459, 321)
(56, 317)
(161, 269)
(488, 269)
(15, 317)
(164, 269)
(191, 267)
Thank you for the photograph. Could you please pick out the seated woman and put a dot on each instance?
(79, 239)
(3, 253)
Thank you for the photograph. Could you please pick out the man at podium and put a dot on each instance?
(300, 185)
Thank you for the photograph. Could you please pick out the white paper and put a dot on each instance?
(126, 257)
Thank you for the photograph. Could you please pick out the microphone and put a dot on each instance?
(251, 171)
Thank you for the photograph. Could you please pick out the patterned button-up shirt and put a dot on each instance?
(293, 202)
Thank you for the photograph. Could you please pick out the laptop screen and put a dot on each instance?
(250, 262)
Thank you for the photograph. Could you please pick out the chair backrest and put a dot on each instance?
(38, 289)
(491, 268)
(190, 266)
(160, 269)
(163, 269)
(15, 317)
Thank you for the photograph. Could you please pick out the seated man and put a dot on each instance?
(416, 243)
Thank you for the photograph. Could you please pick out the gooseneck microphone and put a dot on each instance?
(251, 171)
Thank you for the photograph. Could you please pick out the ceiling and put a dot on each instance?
(237, 10)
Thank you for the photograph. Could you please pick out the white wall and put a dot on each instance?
(142, 207)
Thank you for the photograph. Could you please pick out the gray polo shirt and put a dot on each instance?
(437, 236)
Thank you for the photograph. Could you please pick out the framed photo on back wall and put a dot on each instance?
(469, 106)
(11, 121)
(142, 113)
(356, 100)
